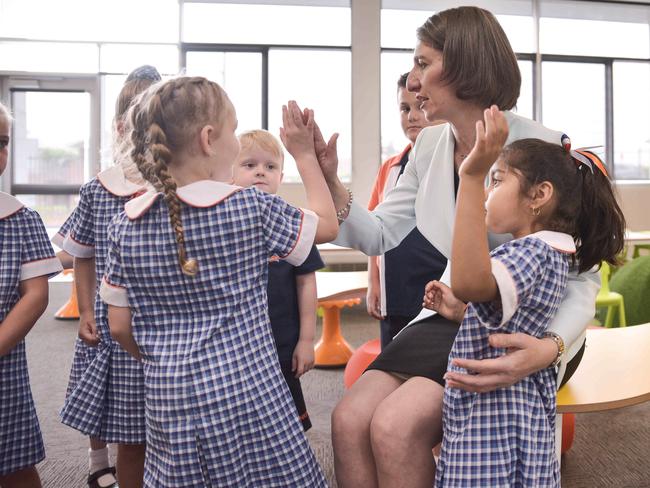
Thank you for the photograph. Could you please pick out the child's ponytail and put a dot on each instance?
(600, 226)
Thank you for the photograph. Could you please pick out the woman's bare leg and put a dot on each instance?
(25, 478)
(130, 465)
(351, 419)
(405, 428)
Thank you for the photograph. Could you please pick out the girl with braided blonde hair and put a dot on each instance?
(186, 292)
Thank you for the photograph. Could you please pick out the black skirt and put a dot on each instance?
(423, 350)
(420, 350)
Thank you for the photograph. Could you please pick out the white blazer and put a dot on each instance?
(424, 197)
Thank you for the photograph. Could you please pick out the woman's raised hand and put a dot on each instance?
(490, 139)
(297, 131)
(326, 153)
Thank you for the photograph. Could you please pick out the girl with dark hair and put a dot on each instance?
(560, 208)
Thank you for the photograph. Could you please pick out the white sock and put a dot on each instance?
(97, 459)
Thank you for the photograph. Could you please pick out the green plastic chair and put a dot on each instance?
(633, 282)
(610, 299)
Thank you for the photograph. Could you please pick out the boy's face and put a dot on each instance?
(259, 168)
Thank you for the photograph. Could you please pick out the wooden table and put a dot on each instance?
(333, 254)
(614, 371)
(335, 291)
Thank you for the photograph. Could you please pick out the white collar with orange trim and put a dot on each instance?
(114, 181)
(9, 205)
(202, 194)
(557, 240)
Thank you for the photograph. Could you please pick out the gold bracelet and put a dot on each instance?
(559, 342)
(342, 214)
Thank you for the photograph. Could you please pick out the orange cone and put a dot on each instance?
(70, 310)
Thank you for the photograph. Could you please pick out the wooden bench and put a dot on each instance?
(335, 291)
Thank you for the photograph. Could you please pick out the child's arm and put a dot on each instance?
(298, 138)
(303, 354)
(439, 298)
(22, 317)
(119, 322)
(373, 296)
(85, 281)
(471, 271)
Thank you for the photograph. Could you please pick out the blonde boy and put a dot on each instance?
(291, 289)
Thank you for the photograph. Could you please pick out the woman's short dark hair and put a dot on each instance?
(477, 58)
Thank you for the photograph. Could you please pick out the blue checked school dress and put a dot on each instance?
(218, 410)
(506, 437)
(25, 252)
(105, 396)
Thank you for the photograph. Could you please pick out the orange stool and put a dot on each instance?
(332, 350)
(360, 360)
(70, 310)
(568, 431)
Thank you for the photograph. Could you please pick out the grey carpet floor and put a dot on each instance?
(611, 449)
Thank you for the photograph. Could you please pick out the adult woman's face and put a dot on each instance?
(437, 99)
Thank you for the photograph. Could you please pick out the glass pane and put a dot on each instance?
(393, 139)
(240, 74)
(329, 96)
(632, 120)
(123, 58)
(54, 209)
(111, 86)
(594, 38)
(49, 57)
(572, 105)
(525, 102)
(398, 29)
(50, 137)
(266, 24)
(83, 20)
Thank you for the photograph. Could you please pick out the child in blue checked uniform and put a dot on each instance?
(186, 287)
(560, 208)
(291, 290)
(26, 261)
(105, 396)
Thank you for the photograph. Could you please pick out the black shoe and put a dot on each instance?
(109, 477)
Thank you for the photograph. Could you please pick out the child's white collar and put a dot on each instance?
(202, 194)
(114, 181)
(557, 240)
(9, 205)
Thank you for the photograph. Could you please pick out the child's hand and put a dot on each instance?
(490, 138)
(297, 134)
(439, 298)
(326, 153)
(88, 330)
(303, 357)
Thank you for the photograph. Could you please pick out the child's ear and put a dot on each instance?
(542, 193)
(205, 142)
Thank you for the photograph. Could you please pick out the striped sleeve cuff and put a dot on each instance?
(57, 240)
(305, 240)
(47, 266)
(77, 249)
(113, 294)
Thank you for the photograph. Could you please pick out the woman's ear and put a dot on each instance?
(542, 193)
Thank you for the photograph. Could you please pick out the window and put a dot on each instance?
(631, 120)
(321, 83)
(574, 101)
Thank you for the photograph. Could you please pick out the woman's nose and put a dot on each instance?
(412, 83)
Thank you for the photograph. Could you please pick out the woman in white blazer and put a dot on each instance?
(385, 426)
